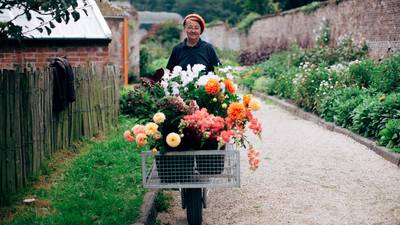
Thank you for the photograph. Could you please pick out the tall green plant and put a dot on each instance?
(390, 135)
(389, 79)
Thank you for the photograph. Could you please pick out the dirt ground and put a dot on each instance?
(308, 175)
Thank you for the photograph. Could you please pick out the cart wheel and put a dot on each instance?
(194, 206)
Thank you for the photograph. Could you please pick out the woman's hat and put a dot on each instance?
(197, 18)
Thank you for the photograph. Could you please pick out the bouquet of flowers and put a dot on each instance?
(198, 112)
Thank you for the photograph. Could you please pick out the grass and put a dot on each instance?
(99, 185)
(162, 201)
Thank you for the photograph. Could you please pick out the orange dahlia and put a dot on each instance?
(236, 111)
(230, 86)
(246, 100)
(212, 86)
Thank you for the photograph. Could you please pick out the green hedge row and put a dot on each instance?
(340, 85)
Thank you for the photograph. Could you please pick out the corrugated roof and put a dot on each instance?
(147, 17)
(92, 26)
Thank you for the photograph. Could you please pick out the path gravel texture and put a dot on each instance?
(308, 175)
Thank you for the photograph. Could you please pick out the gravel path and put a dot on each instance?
(308, 175)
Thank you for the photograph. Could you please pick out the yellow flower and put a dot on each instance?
(151, 128)
(254, 104)
(224, 105)
(215, 99)
(173, 139)
(159, 118)
(154, 151)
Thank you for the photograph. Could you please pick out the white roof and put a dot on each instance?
(92, 26)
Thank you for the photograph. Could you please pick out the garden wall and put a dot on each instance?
(375, 21)
(222, 36)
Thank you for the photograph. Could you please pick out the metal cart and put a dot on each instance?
(192, 172)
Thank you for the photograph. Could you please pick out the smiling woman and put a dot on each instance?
(193, 50)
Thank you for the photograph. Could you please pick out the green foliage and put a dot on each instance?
(307, 85)
(390, 135)
(339, 104)
(101, 186)
(283, 85)
(162, 201)
(157, 64)
(247, 21)
(261, 7)
(248, 77)
(276, 65)
(58, 10)
(140, 101)
(167, 33)
(378, 111)
(309, 8)
(156, 48)
(227, 56)
(361, 73)
(388, 80)
(265, 84)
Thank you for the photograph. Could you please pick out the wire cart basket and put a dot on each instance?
(192, 169)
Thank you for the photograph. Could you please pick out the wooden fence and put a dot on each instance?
(30, 132)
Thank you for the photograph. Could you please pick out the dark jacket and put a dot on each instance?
(63, 84)
(202, 53)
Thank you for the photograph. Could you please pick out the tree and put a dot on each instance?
(261, 7)
(58, 10)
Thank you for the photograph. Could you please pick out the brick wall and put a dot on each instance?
(39, 56)
(222, 36)
(375, 21)
(116, 50)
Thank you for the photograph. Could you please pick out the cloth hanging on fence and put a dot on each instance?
(63, 84)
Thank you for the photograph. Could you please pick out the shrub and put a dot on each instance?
(247, 21)
(307, 84)
(379, 111)
(249, 76)
(157, 64)
(389, 79)
(360, 73)
(343, 111)
(362, 119)
(309, 8)
(140, 102)
(265, 84)
(390, 135)
(338, 105)
(227, 56)
(283, 85)
(253, 57)
(276, 65)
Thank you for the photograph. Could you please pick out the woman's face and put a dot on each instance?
(192, 29)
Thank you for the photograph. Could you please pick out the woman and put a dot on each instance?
(193, 50)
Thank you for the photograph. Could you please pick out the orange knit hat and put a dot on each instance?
(197, 18)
